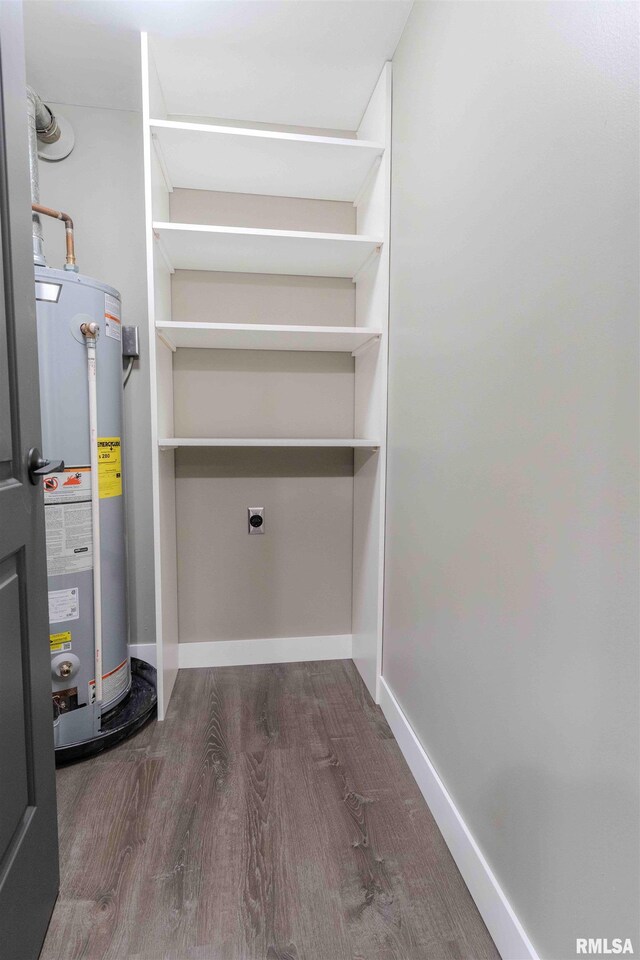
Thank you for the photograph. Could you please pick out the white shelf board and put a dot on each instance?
(240, 160)
(172, 442)
(259, 336)
(191, 246)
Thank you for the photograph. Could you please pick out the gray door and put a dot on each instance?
(28, 832)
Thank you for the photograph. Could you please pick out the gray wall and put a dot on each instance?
(101, 185)
(511, 637)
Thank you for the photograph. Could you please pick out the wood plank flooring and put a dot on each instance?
(271, 817)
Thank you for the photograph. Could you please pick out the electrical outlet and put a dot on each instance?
(256, 519)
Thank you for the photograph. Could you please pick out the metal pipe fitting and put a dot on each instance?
(70, 259)
(44, 126)
(47, 128)
(36, 226)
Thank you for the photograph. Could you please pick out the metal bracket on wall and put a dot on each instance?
(130, 343)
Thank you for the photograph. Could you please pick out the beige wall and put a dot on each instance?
(266, 213)
(201, 296)
(511, 615)
(293, 581)
(271, 393)
(101, 185)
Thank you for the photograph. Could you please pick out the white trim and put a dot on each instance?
(496, 911)
(144, 651)
(370, 400)
(235, 653)
(155, 473)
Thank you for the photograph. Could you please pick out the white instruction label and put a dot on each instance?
(64, 605)
(113, 683)
(112, 317)
(69, 538)
(67, 502)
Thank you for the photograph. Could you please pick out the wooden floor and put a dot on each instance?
(271, 817)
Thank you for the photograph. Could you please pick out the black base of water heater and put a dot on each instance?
(130, 715)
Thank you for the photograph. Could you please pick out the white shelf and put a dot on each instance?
(169, 443)
(238, 160)
(190, 246)
(256, 336)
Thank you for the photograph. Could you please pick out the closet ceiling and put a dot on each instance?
(300, 62)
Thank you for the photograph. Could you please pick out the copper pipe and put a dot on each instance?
(70, 261)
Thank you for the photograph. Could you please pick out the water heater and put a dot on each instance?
(67, 304)
(99, 694)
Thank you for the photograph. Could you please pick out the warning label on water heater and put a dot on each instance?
(109, 467)
(112, 317)
(67, 501)
(73, 485)
(60, 641)
(113, 683)
(69, 538)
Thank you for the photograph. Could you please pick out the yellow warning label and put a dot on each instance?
(60, 641)
(109, 467)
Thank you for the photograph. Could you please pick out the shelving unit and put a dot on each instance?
(318, 571)
(240, 160)
(190, 246)
(172, 443)
(256, 336)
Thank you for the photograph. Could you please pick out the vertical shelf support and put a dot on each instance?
(373, 205)
(156, 194)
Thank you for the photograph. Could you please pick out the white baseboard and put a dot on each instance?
(144, 651)
(237, 653)
(502, 923)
